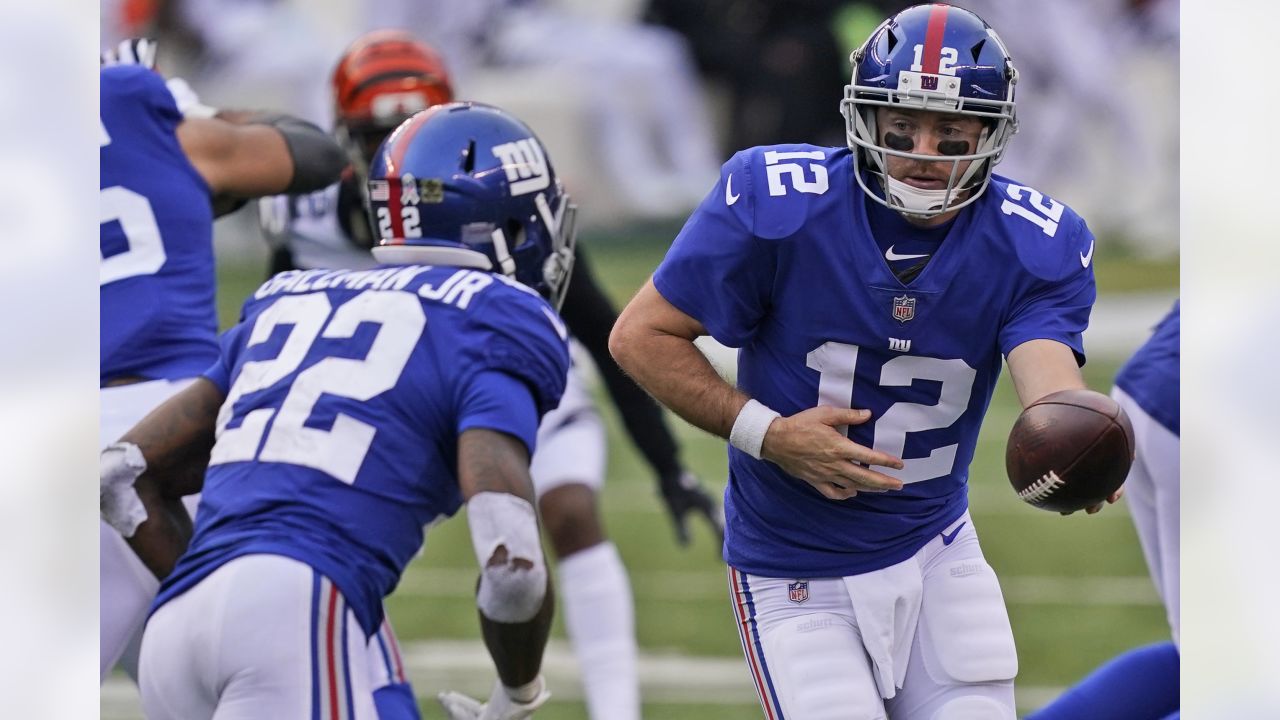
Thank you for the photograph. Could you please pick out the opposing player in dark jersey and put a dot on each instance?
(383, 77)
(162, 172)
(347, 411)
(871, 292)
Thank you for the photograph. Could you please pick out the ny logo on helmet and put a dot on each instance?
(525, 164)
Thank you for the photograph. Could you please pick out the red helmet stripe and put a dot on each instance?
(393, 207)
(933, 38)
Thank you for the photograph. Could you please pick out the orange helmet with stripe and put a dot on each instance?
(384, 77)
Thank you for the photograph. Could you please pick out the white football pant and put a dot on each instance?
(263, 636)
(926, 639)
(1151, 491)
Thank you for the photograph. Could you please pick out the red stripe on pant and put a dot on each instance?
(748, 646)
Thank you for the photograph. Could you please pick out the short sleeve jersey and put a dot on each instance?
(779, 262)
(346, 394)
(1151, 376)
(158, 318)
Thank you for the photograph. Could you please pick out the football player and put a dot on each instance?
(166, 163)
(1143, 683)
(871, 291)
(384, 76)
(338, 421)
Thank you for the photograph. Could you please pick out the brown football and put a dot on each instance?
(1069, 450)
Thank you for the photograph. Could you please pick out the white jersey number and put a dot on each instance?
(1045, 215)
(340, 450)
(835, 363)
(794, 172)
(408, 216)
(145, 255)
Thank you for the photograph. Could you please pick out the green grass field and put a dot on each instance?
(1075, 585)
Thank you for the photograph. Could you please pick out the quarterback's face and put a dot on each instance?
(926, 133)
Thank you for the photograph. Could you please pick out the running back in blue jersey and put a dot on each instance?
(346, 394)
(157, 276)
(1151, 376)
(779, 262)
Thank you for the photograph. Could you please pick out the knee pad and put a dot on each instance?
(513, 575)
(974, 707)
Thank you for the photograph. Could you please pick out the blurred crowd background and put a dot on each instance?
(640, 101)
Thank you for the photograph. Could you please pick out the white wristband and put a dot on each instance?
(749, 428)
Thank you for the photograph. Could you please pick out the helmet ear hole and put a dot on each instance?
(469, 158)
(515, 232)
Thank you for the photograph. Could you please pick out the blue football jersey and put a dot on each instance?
(779, 262)
(157, 275)
(346, 393)
(1151, 376)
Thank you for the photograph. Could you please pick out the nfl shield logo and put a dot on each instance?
(798, 591)
(904, 308)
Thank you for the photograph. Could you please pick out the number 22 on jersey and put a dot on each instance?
(836, 363)
(340, 450)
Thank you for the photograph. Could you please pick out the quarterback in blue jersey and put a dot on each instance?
(166, 162)
(347, 411)
(872, 292)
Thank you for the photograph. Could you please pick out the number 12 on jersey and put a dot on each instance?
(836, 363)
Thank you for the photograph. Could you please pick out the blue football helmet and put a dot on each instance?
(467, 184)
(936, 58)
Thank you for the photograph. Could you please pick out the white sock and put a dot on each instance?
(600, 619)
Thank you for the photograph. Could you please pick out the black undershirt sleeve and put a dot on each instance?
(590, 317)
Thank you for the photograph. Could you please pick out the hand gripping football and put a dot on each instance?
(1069, 450)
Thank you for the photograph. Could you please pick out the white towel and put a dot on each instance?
(886, 605)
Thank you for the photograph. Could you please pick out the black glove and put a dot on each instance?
(683, 493)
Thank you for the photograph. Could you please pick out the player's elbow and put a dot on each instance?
(624, 342)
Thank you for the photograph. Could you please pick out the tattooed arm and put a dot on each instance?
(175, 439)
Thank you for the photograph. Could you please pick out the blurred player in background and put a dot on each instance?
(870, 326)
(337, 422)
(1142, 684)
(168, 165)
(385, 76)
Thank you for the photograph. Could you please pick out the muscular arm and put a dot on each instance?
(175, 439)
(242, 155)
(1042, 367)
(653, 342)
(490, 461)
